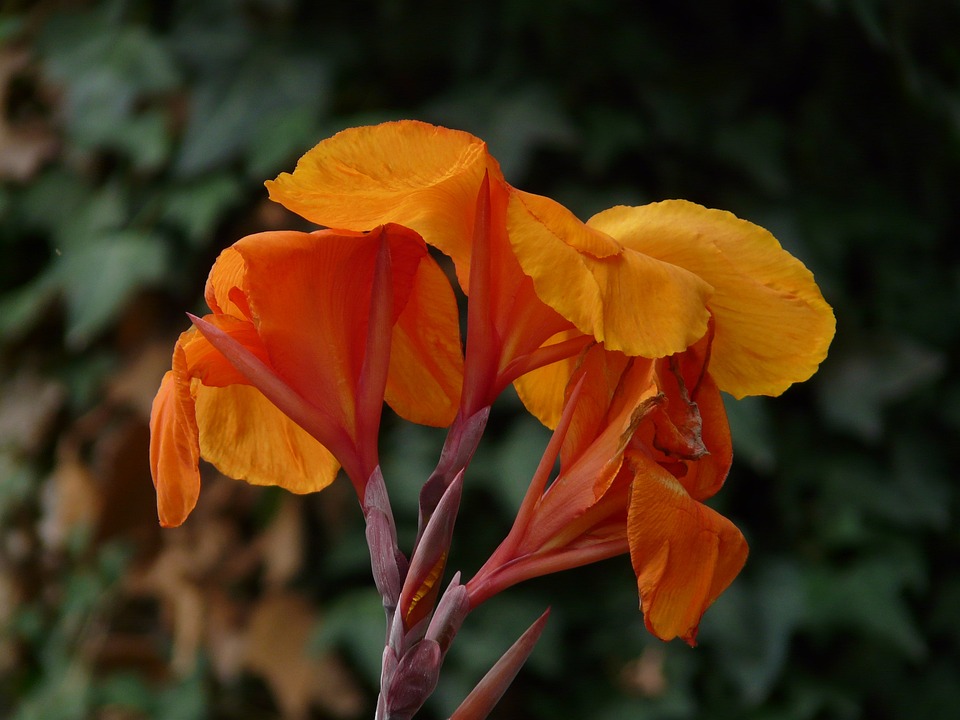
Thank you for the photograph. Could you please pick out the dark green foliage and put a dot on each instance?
(835, 124)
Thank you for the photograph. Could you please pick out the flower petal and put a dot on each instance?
(247, 438)
(542, 390)
(773, 327)
(174, 447)
(426, 359)
(628, 300)
(410, 173)
(225, 279)
(684, 553)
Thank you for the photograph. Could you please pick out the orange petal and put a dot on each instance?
(426, 359)
(773, 327)
(247, 438)
(226, 277)
(706, 475)
(628, 300)
(684, 553)
(174, 446)
(410, 173)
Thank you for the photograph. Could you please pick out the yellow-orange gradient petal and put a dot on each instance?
(773, 327)
(630, 301)
(684, 553)
(247, 438)
(407, 172)
(542, 390)
(426, 359)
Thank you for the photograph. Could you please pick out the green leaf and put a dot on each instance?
(751, 428)
(197, 206)
(858, 382)
(231, 112)
(107, 69)
(751, 626)
(98, 277)
(355, 624)
(868, 597)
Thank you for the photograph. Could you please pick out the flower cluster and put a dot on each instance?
(620, 333)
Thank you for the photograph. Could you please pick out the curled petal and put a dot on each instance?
(773, 327)
(684, 553)
(223, 291)
(627, 299)
(706, 475)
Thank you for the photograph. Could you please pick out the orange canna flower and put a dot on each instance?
(620, 332)
(637, 457)
(772, 327)
(643, 280)
(445, 185)
(284, 381)
(678, 302)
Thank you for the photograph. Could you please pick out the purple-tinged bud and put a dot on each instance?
(451, 611)
(414, 680)
(430, 558)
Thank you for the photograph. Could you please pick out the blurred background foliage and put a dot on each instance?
(134, 139)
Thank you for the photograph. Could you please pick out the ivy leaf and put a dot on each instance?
(97, 278)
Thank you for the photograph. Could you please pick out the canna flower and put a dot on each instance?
(771, 325)
(284, 381)
(528, 305)
(634, 322)
(637, 458)
(644, 440)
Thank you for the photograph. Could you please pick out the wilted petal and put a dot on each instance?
(411, 173)
(773, 327)
(684, 553)
(627, 299)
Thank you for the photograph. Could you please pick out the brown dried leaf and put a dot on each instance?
(136, 384)
(23, 149)
(276, 649)
(282, 543)
(71, 500)
(645, 676)
(28, 406)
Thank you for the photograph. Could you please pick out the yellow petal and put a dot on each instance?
(246, 437)
(628, 300)
(542, 390)
(773, 327)
(684, 553)
(410, 173)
